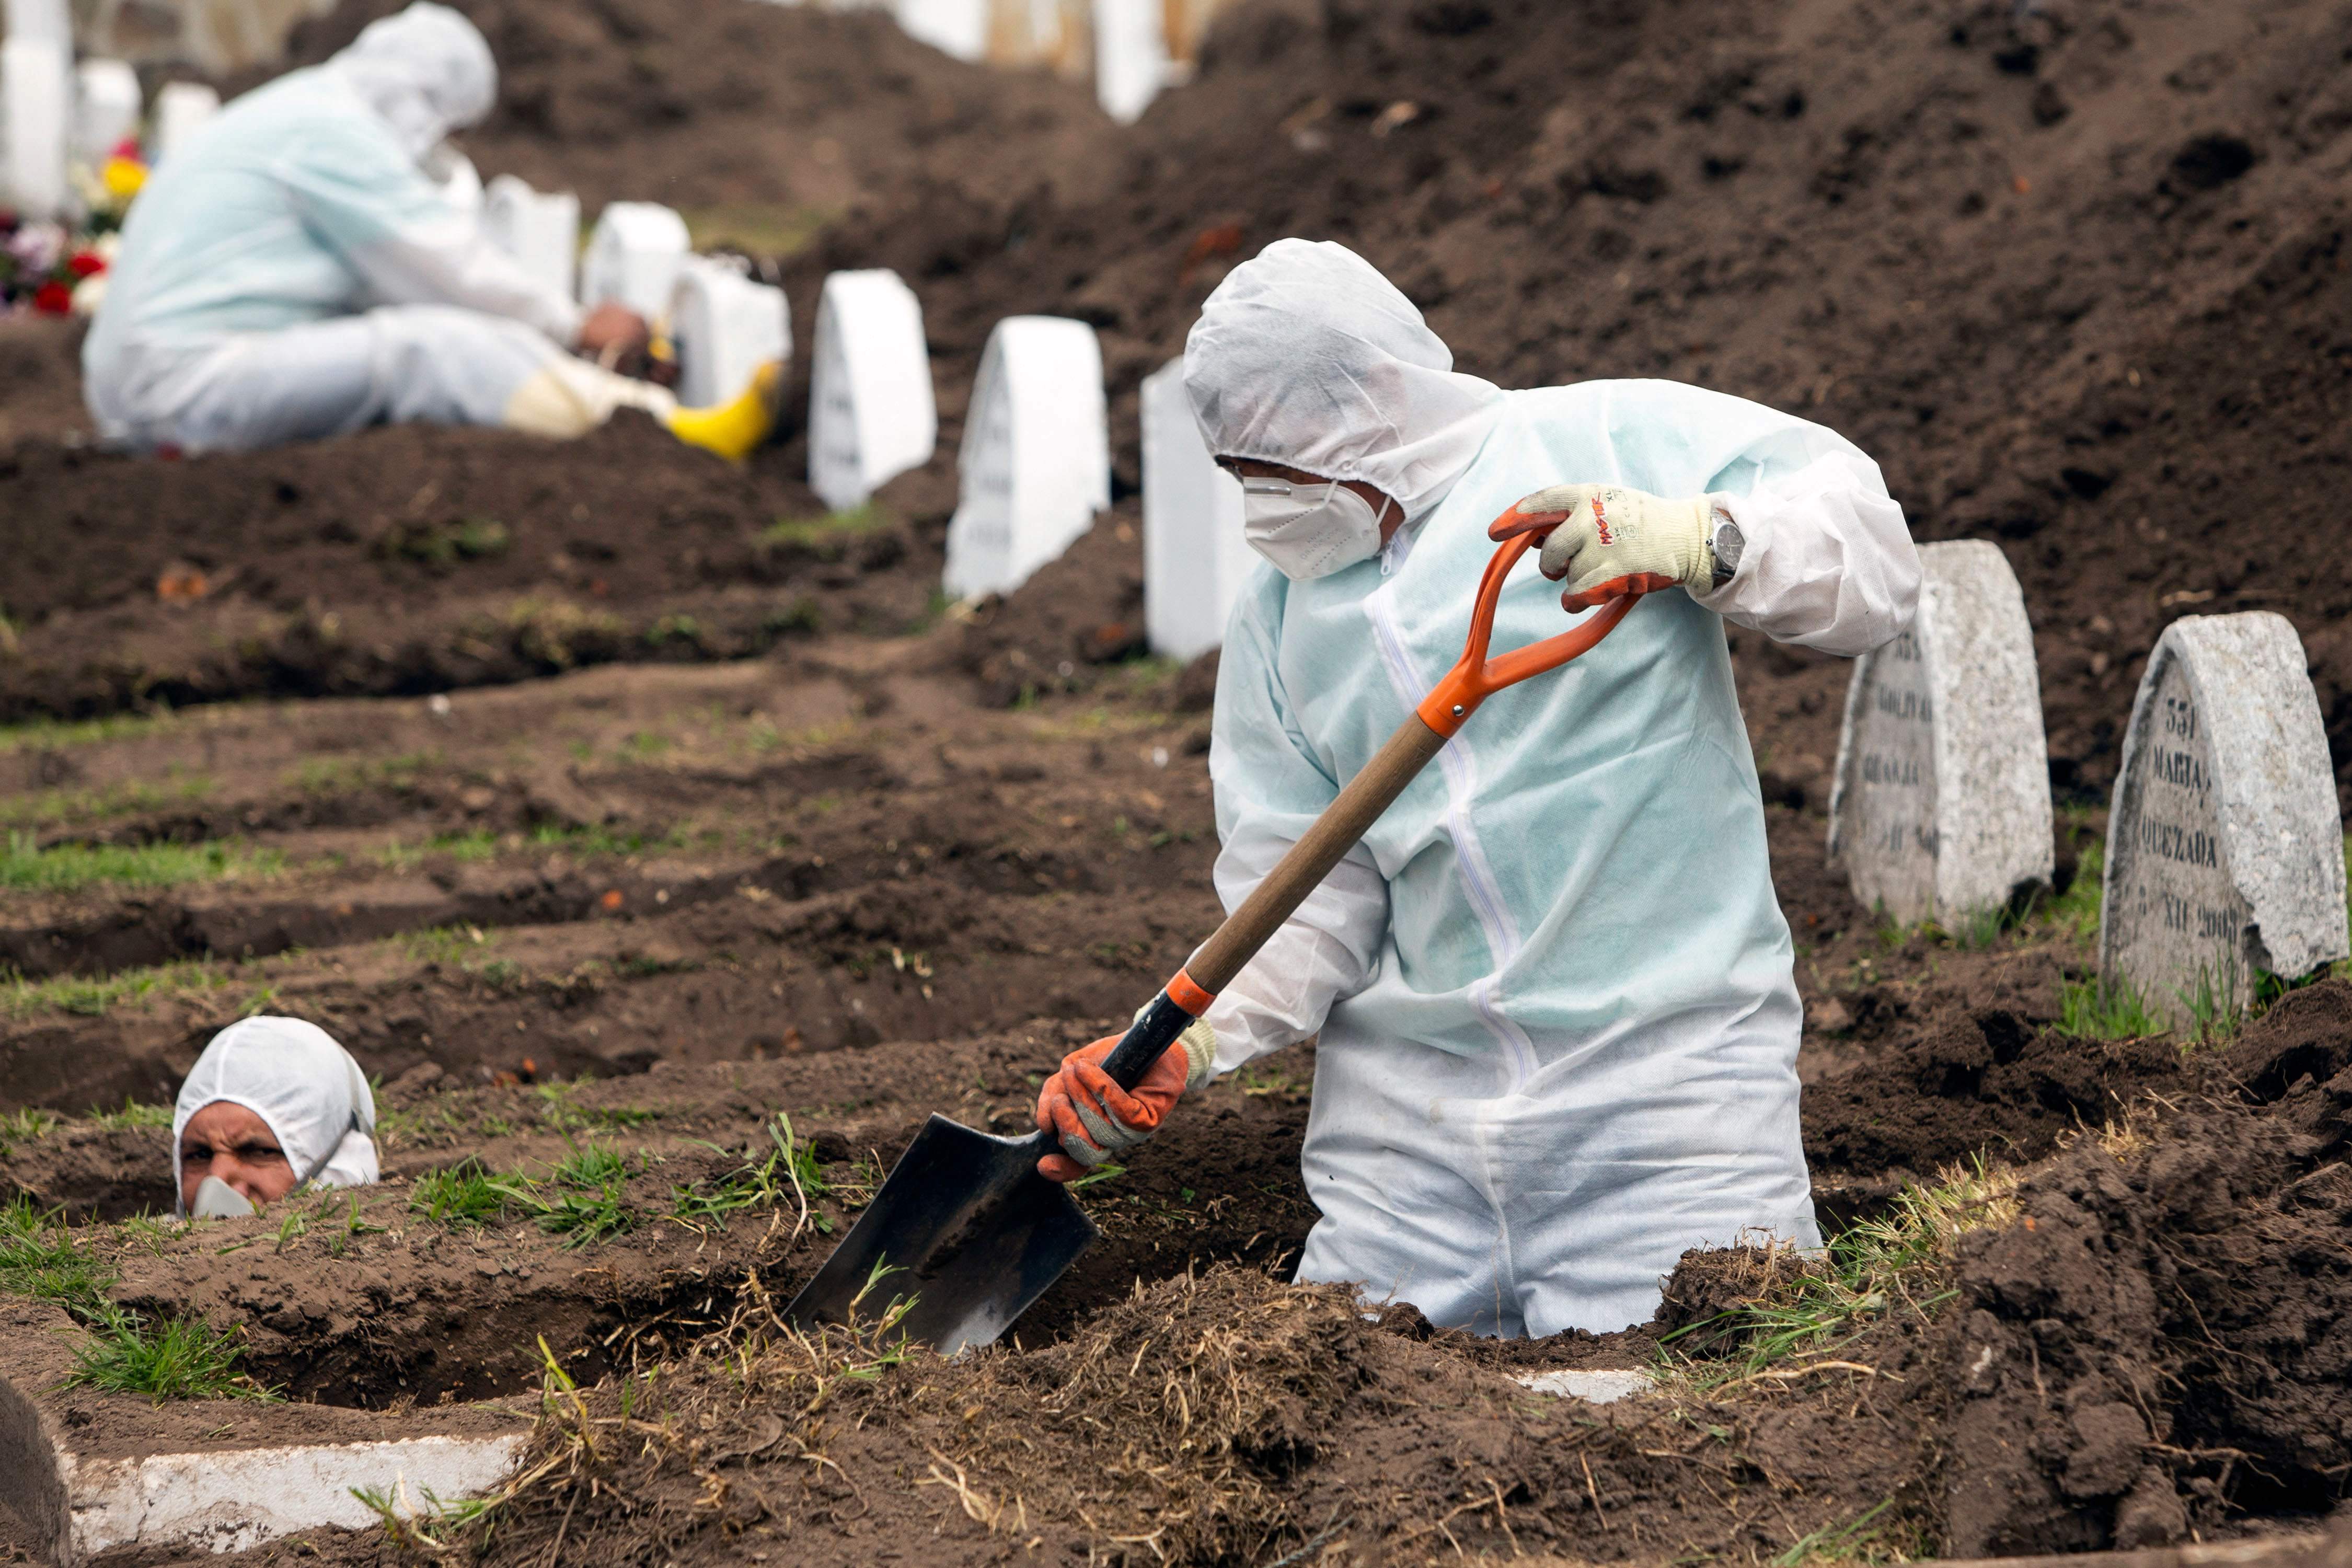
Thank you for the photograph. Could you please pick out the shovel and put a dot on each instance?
(965, 1226)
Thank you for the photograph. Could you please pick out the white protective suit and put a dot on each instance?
(1559, 1022)
(293, 272)
(307, 1088)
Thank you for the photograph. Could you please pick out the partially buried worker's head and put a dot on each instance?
(272, 1103)
(1309, 367)
(426, 71)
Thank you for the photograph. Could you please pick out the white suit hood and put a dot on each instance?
(1307, 357)
(307, 1088)
(426, 71)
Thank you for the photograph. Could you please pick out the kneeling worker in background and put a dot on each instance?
(272, 1105)
(293, 272)
(1554, 988)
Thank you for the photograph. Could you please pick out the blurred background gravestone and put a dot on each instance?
(872, 412)
(2225, 855)
(1941, 806)
(1035, 459)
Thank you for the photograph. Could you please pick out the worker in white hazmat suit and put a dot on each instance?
(272, 1105)
(293, 272)
(1559, 1022)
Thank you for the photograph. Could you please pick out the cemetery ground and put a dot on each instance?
(659, 967)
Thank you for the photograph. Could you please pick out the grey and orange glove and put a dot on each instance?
(1096, 1121)
(1606, 541)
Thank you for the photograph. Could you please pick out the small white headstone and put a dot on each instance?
(1195, 556)
(182, 107)
(1941, 806)
(871, 414)
(542, 232)
(633, 257)
(107, 106)
(726, 326)
(1035, 459)
(36, 95)
(2225, 854)
(47, 22)
(1130, 55)
(956, 28)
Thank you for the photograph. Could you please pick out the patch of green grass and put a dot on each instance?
(133, 1114)
(56, 807)
(2096, 1009)
(479, 844)
(828, 535)
(790, 1168)
(348, 775)
(2215, 1001)
(463, 1194)
(444, 543)
(55, 735)
(444, 944)
(580, 1200)
(91, 996)
(2076, 910)
(39, 1258)
(559, 1112)
(1866, 1538)
(25, 867)
(171, 1358)
(24, 1125)
(1807, 1308)
(643, 746)
(599, 839)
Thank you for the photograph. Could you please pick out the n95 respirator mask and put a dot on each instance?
(1309, 531)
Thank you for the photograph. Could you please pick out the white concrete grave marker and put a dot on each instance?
(956, 28)
(633, 257)
(47, 22)
(107, 106)
(36, 96)
(1035, 459)
(726, 326)
(1941, 806)
(1195, 557)
(871, 414)
(542, 232)
(2225, 853)
(1131, 61)
(182, 107)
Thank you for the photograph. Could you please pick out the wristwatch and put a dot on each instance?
(1726, 543)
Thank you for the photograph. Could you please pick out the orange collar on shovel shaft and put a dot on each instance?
(966, 1234)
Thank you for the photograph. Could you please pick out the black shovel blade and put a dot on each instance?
(966, 1227)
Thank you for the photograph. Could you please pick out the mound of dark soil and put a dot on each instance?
(2164, 1339)
(761, 119)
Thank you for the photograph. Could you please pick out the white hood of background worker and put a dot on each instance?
(1559, 1025)
(307, 1088)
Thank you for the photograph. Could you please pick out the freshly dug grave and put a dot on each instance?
(2142, 1343)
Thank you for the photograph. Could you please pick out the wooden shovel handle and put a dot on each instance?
(1347, 820)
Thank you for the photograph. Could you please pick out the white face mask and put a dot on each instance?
(1309, 530)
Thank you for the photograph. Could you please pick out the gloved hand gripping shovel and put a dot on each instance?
(965, 1226)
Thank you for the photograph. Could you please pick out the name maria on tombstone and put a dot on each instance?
(2225, 851)
(1941, 805)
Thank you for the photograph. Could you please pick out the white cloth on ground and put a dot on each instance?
(303, 203)
(307, 1088)
(1559, 1022)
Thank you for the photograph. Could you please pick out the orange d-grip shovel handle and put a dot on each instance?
(1477, 677)
(1420, 738)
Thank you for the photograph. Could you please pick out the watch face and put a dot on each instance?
(1728, 543)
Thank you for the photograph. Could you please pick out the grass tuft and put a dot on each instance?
(132, 1115)
(25, 867)
(91, 996)
(2096, 1009)
(173, 1357)
(463, 1194)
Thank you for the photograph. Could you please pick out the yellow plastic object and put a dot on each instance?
(122, 177)
(733, 429)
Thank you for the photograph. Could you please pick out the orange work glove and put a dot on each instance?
(1608, 541)
(1097, 1120)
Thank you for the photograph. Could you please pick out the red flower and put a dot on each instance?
(81, 264)
(53, 300)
